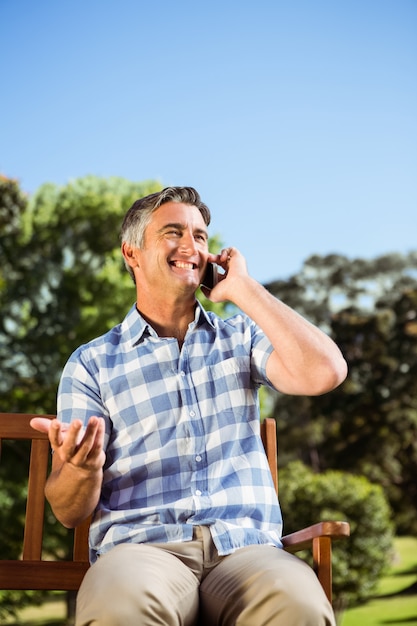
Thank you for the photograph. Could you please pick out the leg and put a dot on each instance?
(138, 584)
(265, 586)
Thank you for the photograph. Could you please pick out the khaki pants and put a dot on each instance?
(188, 584)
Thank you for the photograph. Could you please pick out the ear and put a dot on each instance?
(130, 255)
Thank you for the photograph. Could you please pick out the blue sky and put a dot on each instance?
(296, 121)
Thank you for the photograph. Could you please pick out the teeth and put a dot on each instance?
(183, 265)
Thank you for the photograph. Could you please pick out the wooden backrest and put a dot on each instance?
(32, 571)
(269, 439)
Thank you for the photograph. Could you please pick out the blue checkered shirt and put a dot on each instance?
(182, 432)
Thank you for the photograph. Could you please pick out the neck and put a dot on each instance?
(168, 321)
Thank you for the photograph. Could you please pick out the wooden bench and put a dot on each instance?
(32, 571)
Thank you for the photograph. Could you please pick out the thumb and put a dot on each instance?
(42, 424)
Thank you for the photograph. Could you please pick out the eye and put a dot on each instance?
(201, 236)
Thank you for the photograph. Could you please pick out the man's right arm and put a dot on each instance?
(74, 485)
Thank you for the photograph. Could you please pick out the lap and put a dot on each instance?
(255, 585)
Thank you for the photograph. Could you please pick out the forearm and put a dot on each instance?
(74, 485)
(305, 360)
(73, 492)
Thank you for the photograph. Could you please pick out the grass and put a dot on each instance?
(51, 613)
(396, 601)
(394, 605)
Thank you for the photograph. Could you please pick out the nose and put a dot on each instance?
(188, 243)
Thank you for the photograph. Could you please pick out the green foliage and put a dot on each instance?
(359, 561)
(12, 601)
(369, 424)
(331, 283)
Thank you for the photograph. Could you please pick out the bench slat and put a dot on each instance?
(43, 575)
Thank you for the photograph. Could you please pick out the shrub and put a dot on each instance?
(359, 561)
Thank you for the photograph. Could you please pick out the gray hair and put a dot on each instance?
(139, 215)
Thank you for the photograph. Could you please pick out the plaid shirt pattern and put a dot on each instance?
(182, 432)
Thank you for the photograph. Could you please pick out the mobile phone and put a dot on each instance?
(210, 278)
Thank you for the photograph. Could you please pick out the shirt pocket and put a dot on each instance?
(230, 385)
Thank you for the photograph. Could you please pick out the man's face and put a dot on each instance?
(174, 254)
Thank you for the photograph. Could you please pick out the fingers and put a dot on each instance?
(53, 428)
(82, 447)
(226, 254)
(233, 280)
(65, 438)
(91, 444)
(224, 257)
(232, 262)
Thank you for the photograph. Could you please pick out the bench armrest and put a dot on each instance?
(302, 539)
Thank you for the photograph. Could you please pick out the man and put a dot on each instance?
(158, 437)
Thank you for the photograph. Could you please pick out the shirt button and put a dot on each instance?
(197, 492)
(192, 413)
(183, 374)
(198, 458)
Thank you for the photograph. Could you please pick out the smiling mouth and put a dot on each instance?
(185, 265)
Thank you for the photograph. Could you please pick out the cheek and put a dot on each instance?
(203, 247)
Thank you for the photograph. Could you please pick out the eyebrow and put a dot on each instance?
(179, 226)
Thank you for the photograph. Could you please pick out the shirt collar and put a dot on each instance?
(201, 315)
(135, 328)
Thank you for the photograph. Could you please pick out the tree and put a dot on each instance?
(67, 283)
(369, 424)
(359, 561)
(332, 283)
